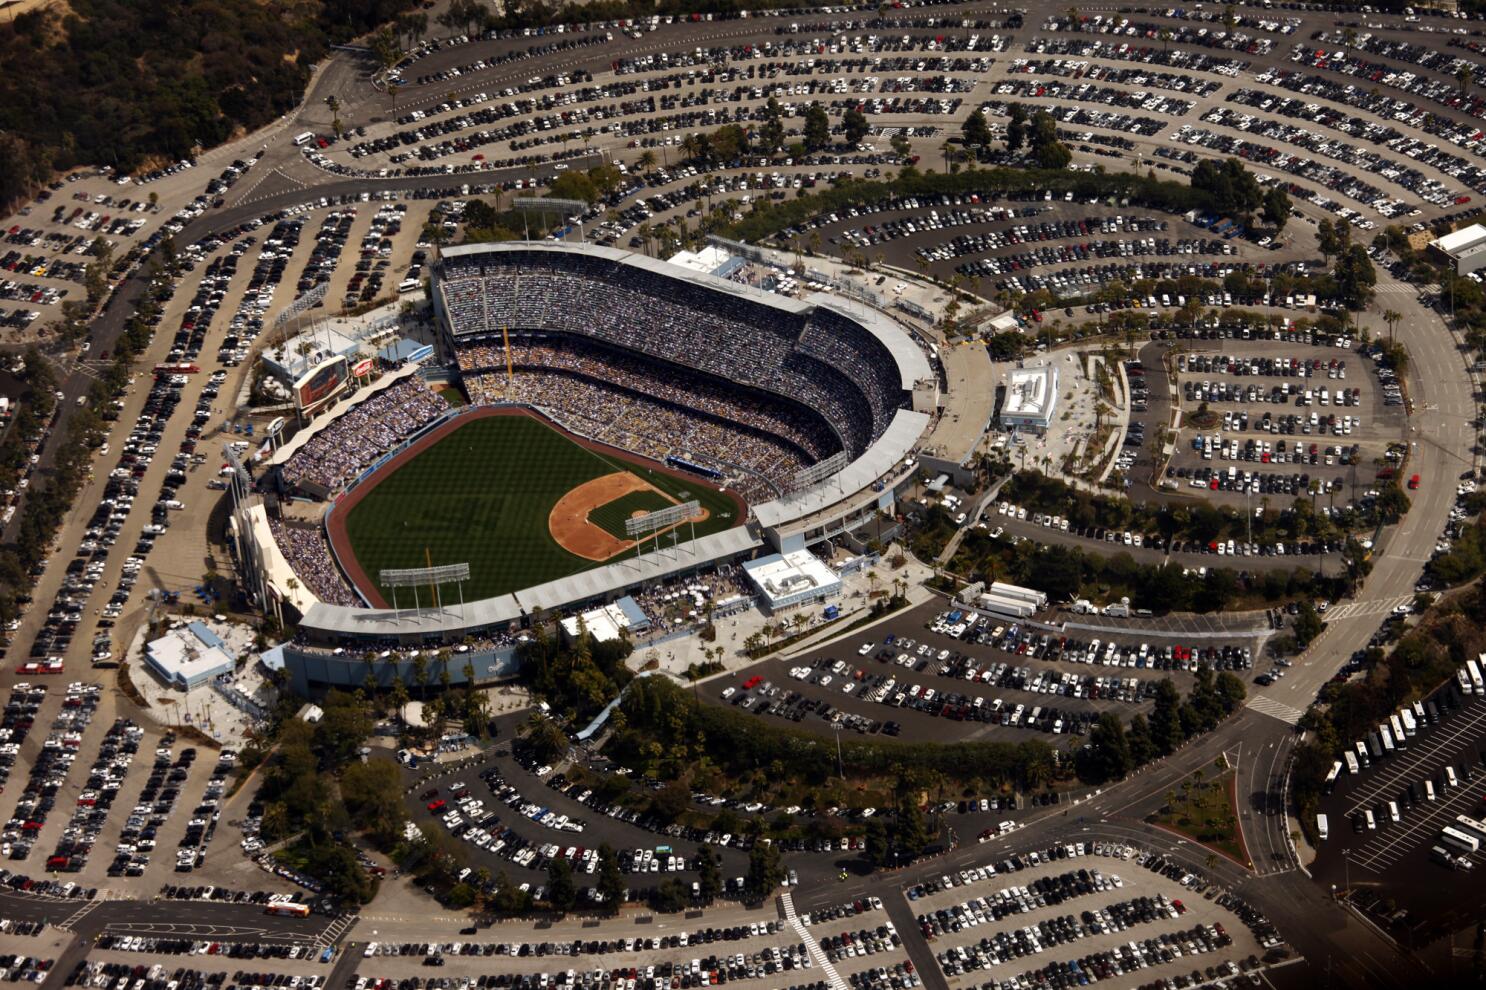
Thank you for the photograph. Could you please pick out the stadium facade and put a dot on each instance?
(852, 369)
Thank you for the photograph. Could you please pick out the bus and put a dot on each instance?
(1463, 680)
(1321, 829)
(291, 909)
(1456, 839)
(1352, 765)
(1397, 725)
(1336, 769)
(1471, 826)
(1362, 757)
(1475, 674)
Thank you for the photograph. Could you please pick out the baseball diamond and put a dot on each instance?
(511, 494)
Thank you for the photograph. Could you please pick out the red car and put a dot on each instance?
(1414, 481)
(436, 805)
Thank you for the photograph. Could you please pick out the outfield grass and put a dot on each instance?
(610, 516)
(482, 494)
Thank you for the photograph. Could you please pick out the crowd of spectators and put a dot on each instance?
(813, 355)
(354, 439)
(755, 441)
(308, 552)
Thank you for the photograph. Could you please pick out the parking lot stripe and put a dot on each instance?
(1422, 758)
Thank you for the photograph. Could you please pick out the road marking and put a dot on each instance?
(1275, 709)
(1375, 606)
(812, 945)
(70, 924)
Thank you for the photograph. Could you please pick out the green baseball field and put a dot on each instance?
(484, 494)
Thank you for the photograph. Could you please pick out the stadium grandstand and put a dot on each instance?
(805, 408)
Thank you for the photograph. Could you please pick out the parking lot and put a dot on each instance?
(1289, 417)
(1000, 680)
(1083, 912)
(1385, 820)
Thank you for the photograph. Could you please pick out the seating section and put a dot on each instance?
(755, 441)
(355, 439)
(815, 357)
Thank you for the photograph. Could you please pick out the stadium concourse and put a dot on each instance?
(700, 376)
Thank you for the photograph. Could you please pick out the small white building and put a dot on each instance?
(1031, 398)
(1465, 248)
(189, 657)
(792, 580)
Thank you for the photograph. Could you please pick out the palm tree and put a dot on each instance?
(1464, 76)
(1391, 317)
(647, 160)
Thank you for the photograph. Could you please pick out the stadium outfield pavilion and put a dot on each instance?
(846, 389)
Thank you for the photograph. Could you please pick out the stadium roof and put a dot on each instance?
(444, 621)
(877, 462)
(652, 566)
(597, 583)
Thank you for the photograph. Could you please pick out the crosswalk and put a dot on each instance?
(337, 929)
(71, 921)
(1275, 709)
(1375, 606)
(812, 946)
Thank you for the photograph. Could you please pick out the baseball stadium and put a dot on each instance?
(629, 422)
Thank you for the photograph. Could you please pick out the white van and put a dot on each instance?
(1450, 777)
(1393, 812)
(304, 139)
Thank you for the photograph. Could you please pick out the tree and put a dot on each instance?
(771, 134)
(1276, 208)
(1355, 276)
(854, 125)
(1464, 76)
(1307, 625)
(764, 870)
(577, 185)
(342, 729)
(1016, 128)
(817, 127)
(1166, 725)
(611, 880)
(373, 797)
(671, 801)
(976, 131)
(1327, 239)
(1107, 755)
(562, 894)
(709, 877)
(1228, 187)
(1049, 152)
(1142, 747)
(1391, 317)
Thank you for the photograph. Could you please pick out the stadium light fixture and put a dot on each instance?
(636, 527)
(564, 208)
(415, 577)
(820, 470)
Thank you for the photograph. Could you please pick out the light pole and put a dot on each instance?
(840, 766)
